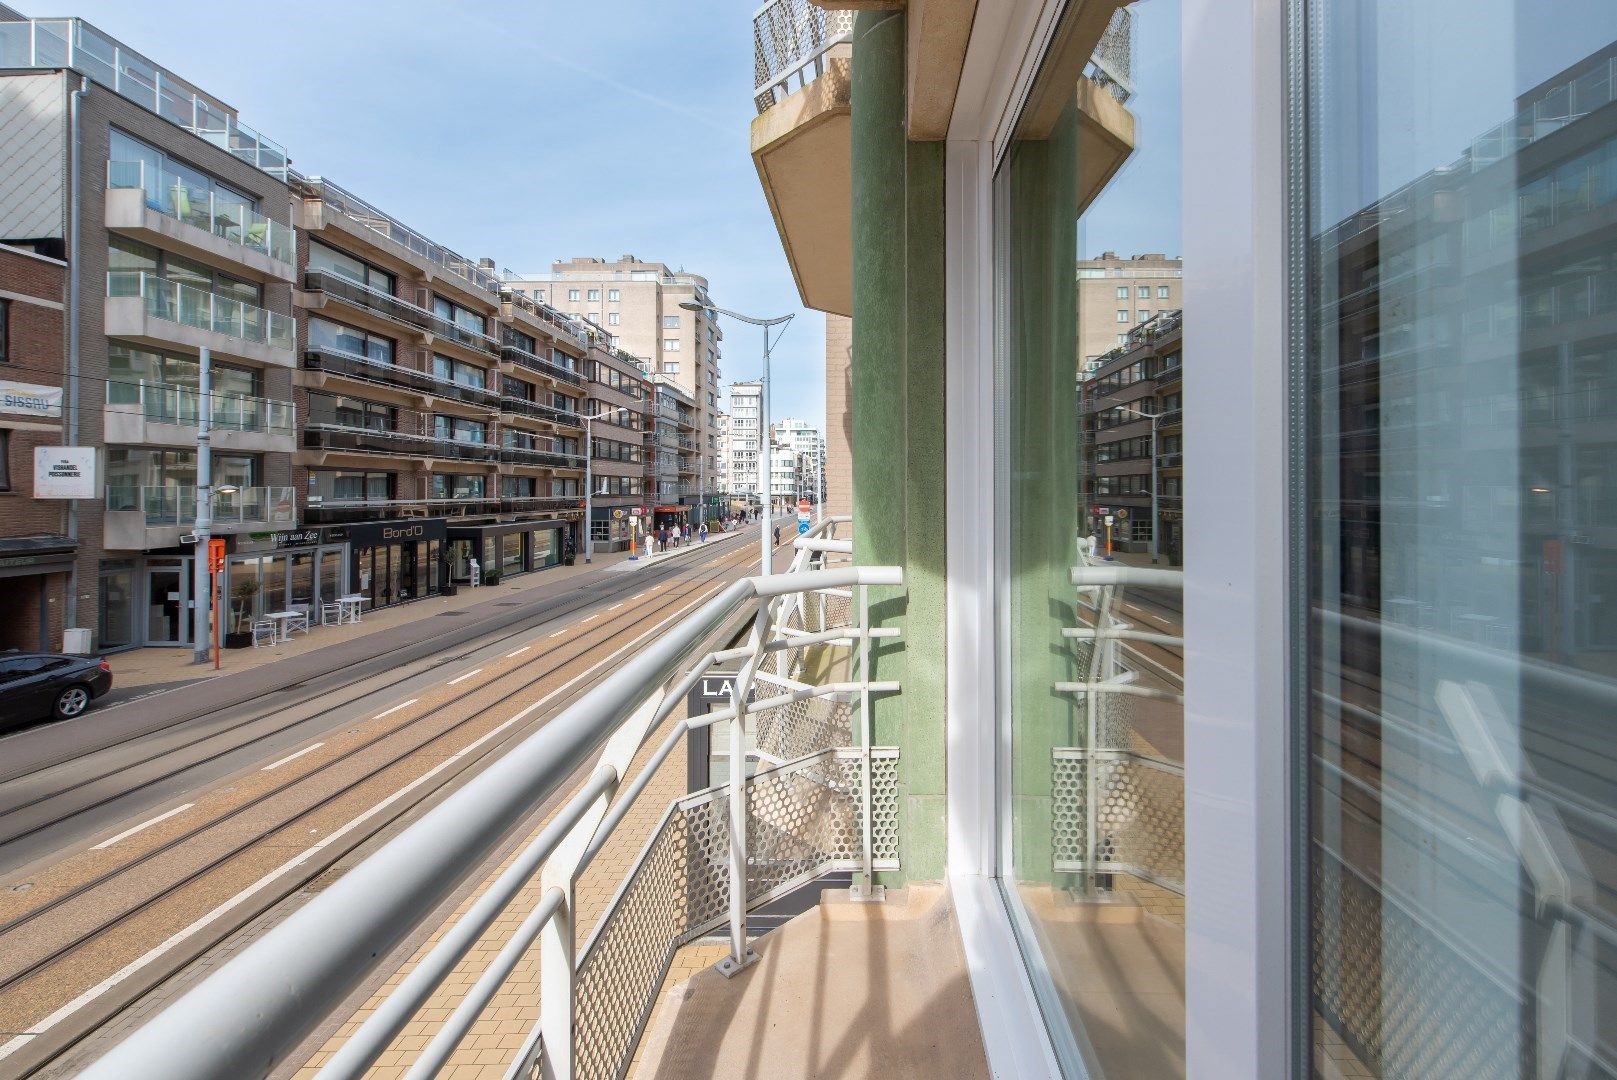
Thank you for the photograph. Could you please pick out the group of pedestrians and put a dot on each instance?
(671, 537)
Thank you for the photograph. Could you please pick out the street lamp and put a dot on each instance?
(589, 483)
(765, 559)
(1156, 525)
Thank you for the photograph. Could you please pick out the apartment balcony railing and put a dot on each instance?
(1170, 461)
(524, 358)
(1170, 418)
(540, 411)
(161, 403)
(522, 455)
(169, 194)
(324, 510)
(76, 44)
(554, 320)
(789, 41)
(821, 798)
(687, 444)
(360, 440)
(356, 209)
(358, 295)
(177, 505)
(367, 369)
(173, 302)
(463, 335)
(539, 503)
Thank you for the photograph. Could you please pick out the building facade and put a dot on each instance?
(1118, 293)
(746, 439)
(618, 396)
(1133, 406)
(39, 559)
(639, 305)
(808, 451)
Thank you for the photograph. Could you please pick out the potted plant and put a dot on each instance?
(242, 598)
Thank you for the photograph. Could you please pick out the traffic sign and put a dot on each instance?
(802, 525)
(804, 506)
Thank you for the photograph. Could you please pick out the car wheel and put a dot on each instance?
(71, 702)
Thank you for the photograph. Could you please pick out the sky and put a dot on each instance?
(533, 132)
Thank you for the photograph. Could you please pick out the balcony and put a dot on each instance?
(522, 358)
(158, 207)
(323, 510)
(154, 311)
(366, 369)
(532, 504)
(450, 331)
(366, 299)
(546, 318)
(516, 406)
(143, 518)
(342, 439)
(522, 455)
(157, 414)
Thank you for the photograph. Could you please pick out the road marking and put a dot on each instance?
(292, 757)
(143, 825)
(639, 594)
(614, 607)
(463, 678)
(595, 616)
(396, 708)
(124, 973)
(559, 633)
(518, 652)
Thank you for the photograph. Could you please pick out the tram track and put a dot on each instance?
(20, 986)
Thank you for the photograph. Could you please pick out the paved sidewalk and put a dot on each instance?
(153, 667)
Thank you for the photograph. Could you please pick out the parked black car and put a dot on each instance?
(34, 686)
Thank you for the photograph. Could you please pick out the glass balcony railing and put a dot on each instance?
(361, 440)
(203, 310)
(532, 503)
(170, 195)
(358, 210)
(352, 292)
(522, 455)
(74, 43)
(369, 369)
(524, 358)
(175, 504)
(539, 411)
(164, 404)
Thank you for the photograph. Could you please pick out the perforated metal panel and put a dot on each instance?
(789, 732)
(1140, 822)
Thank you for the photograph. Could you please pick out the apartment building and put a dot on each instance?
(442, 436)
(1117, 293)
(638, 303)
(746, 412)
(672, 456)
(38, 556)
(184, 245)
(722, 483)
(618, 395)
(1133, 406)
(805, 443)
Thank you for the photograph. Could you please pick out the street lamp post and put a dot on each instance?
(201, 576)
(1156, 525)
(589, 482)
(765, 561)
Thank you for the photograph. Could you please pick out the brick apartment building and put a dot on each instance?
(37, 553)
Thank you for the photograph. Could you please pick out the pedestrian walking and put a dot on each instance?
(703, 532)
(777, 536)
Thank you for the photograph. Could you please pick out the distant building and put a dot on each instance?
(746, 405)
(1116, 294)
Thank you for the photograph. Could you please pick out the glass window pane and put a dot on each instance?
(1462, 782)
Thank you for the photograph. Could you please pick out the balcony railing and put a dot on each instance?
(363, 296)
(177, 505)
(821, 798)
(524, 358)
(360, 440)
(522, 455)
(326, 510)
(161, 403)
(355, 366)
(463, 335)
(171, 195)
(202, 310)
(535, 503)
(353, 207)
(540, 411)
(76, 44)
(789, 41)
(554, 320)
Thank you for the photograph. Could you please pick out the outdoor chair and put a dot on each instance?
(330, 613)
(300, 623)
(264, 633)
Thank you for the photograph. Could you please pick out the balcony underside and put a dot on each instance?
(844, 990)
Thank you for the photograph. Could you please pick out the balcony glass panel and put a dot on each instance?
(1458, 681)
(173, 302)
(188, 196)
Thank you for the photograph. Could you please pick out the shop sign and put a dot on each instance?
(27, 399)
(64, 472)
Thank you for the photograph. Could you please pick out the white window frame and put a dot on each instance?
(572, 295)
(613, 296)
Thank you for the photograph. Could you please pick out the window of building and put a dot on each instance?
(613, 296)
(670, 344)
(464, 318)
(177, 188)
(539, 295)
(1122, 292)
(594, 295)
(325, 334)
(1122, 316)
(350, 486)
(612, 318)
(670, 322)
(342, 410)
(5, 331)
(572, 294)
(1162, 292)
(1143, 292)
(457, 486)
(5, 460)
(1145, 313)
(670, 367)
(340, 263)
(459, 371)
(128, 259)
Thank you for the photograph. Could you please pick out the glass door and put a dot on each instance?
(117, 609)
(165, 609)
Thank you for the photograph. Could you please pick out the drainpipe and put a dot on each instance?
(70, 616)
(201, 580)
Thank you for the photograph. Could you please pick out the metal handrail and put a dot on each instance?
(256, 1008)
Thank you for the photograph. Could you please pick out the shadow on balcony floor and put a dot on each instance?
(843, 991)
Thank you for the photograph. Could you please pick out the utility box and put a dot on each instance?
(76, 641)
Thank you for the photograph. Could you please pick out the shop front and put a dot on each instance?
(504, 551)
(395, 562)
(666, 517)
(281, 571)
(33, 585)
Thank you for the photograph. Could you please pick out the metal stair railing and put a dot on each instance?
(714, 856)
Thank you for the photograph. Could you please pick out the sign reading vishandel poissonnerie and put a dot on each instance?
(64, 472)
(26, 399)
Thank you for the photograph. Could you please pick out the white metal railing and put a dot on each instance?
(203, 310)
(172, 195)
(789, 41)
(814, 805)
(352, 206)
(163, 403)
(1118, 806)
